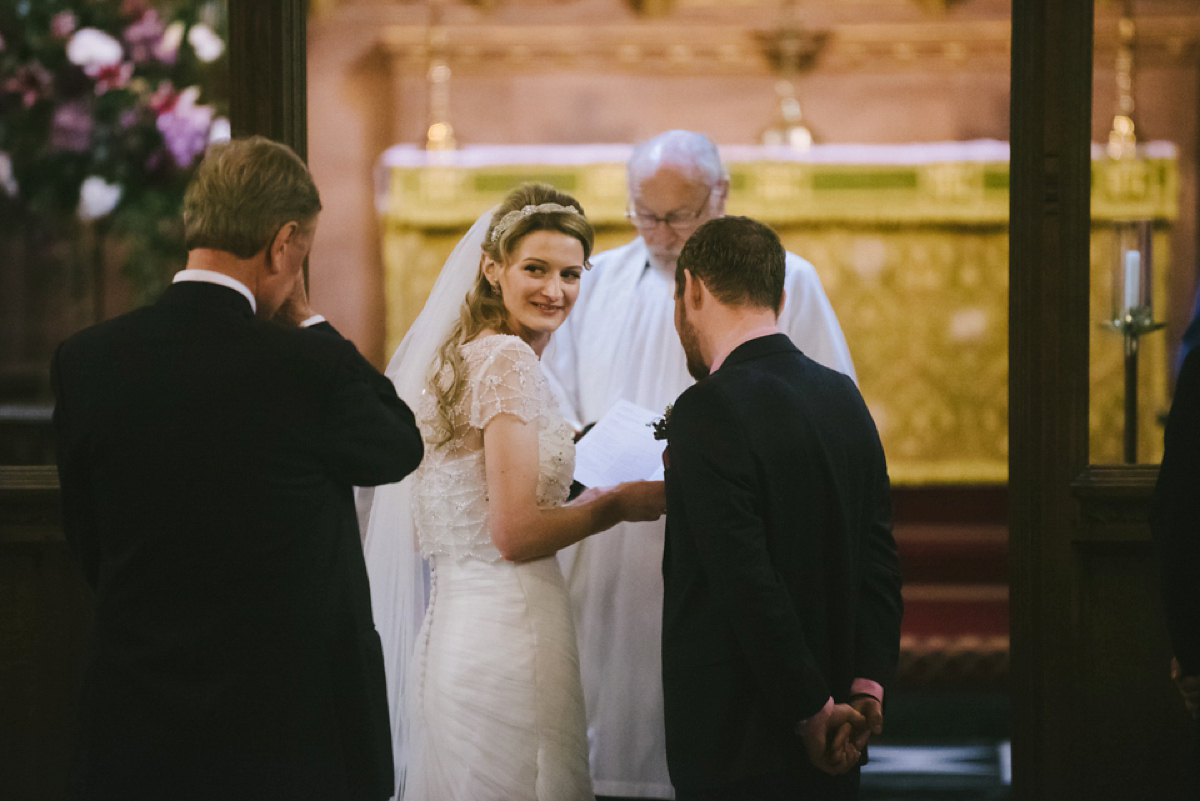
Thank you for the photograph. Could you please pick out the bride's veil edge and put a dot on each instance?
(394, 565)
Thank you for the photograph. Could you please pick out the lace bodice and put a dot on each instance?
(450, 495)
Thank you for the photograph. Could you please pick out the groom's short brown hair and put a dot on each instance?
(740, 260)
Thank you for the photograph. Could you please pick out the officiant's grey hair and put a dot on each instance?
(686, 151)
(740, 260)
(243, 192)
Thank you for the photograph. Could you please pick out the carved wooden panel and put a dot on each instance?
(1131, 736)
(44, 612)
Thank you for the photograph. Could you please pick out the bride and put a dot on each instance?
(486, 698)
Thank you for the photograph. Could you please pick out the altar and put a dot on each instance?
(910, 242)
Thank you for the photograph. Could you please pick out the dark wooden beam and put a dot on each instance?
(267, 65)
(1048, 371)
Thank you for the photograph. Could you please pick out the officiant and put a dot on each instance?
(620, 343)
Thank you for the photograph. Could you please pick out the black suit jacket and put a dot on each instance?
(782, 583)
(1175, 516)
(207, 460)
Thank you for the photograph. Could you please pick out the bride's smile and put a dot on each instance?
(540, 284)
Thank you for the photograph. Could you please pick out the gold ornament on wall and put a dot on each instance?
(790, 50)
(440, 134)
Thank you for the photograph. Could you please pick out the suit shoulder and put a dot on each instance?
(313, 342)
(98, 335)
(704, 399)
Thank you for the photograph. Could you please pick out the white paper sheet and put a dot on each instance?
(620, 447)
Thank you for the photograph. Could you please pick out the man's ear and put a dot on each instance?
(720, 195)
(782, 303)
(275, 250)
(693, 289)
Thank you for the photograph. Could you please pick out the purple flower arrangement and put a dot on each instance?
(105, 108)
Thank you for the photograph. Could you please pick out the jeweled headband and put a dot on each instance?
(507, 220)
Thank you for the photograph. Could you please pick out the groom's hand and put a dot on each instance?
(872, 711)
(829, 745)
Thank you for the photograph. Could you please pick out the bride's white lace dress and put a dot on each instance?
(495, 691)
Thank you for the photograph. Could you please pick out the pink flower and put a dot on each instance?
(63, 24)
(143, 37)
(31, 82)
(115, 77)
(185, 127)
(71, 129)
(163, 99)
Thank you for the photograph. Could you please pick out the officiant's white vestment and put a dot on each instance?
(620, 342)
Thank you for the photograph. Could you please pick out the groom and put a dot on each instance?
(207, 449)
(781, 616)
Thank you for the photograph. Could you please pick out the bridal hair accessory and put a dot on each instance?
(507, 220)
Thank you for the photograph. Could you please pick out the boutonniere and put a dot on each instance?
(660, 425)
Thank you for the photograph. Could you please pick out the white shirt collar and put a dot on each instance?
(211, 277)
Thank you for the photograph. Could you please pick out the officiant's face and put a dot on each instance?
(669, 204)
(540, 282)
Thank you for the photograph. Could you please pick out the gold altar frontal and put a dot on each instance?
(913, 255)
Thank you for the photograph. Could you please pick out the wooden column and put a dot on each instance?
(1048, 371)
(1094, 712)
(268, 69)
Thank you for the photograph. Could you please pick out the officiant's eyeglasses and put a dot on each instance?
(677, 221)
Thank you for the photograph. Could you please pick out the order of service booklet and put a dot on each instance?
(620, 447)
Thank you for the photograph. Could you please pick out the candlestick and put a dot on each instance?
(1133, 278)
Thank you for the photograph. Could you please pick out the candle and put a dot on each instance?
(1133, 278)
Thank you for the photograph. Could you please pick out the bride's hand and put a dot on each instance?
(642, 500)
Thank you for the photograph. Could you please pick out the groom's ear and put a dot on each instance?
(693, 288)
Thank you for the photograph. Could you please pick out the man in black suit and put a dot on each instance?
(207, 449)
(781, 620)
(1175, 523)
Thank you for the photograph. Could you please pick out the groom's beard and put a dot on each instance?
(691, 347)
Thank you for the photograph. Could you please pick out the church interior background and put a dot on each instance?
(422, 114)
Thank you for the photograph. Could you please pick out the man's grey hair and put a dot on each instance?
(243, 192)
(686, 151)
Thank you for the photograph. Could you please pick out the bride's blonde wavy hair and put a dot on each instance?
(483, 309)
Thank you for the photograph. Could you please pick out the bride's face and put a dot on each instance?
(540, 282)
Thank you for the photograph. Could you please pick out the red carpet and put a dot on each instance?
(953, 553)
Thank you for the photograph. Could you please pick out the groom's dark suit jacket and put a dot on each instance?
(782, 583)
(207, 460)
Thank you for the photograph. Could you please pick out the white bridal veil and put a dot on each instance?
(394, 565)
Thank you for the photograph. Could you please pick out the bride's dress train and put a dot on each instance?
(494, 690)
